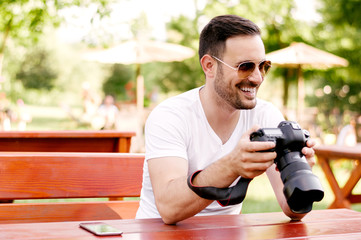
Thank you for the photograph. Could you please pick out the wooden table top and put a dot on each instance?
(337, 151)
(66, 141)
(67, 134)
(318, 224)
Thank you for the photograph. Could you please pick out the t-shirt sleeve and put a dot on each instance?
(165, 134)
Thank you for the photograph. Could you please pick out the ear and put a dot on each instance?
(208, 65)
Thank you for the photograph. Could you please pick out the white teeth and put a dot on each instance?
(252, 90)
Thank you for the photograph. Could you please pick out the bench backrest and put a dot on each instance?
(70, 175)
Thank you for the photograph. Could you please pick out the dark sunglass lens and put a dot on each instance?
(264, 66)
(246, 68)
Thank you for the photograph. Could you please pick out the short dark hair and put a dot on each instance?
(219, 29)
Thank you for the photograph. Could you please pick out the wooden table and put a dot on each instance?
(325, 155)
(318, 224)
(66, 141)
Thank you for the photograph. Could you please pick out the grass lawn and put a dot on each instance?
(260, 196)
(51, 118)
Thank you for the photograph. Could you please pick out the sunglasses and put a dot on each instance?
(245, 69)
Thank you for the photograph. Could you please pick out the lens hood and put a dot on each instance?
(301, 191)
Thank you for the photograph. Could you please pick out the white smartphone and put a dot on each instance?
(100, 229)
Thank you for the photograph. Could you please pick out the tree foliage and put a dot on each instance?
(24, 20)
(36, 70)
(339, 33)
(118, 81)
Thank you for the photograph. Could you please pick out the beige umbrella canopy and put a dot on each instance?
(139, 52)
(300, 55)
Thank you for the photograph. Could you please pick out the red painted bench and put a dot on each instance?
(40, 175)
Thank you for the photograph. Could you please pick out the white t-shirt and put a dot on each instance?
(178, 127)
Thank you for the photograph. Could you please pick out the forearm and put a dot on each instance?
(288, 212)
(277, 185)
(176, 201)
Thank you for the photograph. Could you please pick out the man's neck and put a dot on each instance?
(222, 117)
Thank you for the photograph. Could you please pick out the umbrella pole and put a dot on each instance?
(140, 108)
(285, 92)
(140, 89)
(301, 95)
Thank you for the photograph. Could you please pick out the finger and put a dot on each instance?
(254, 169)
(262, 157)
(308, 152)
(309, 155)
(311, 161)
(258, 146)
(310, 143)
(255, 146)
(248, 133)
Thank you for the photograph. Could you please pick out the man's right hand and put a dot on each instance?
(247, 160)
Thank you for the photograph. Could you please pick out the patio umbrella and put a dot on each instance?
(300, 55)
(139, 52)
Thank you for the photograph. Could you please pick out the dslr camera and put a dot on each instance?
(301, 186)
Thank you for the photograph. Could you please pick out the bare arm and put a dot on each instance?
(175, 201)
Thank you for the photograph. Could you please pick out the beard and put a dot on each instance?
(233, 94)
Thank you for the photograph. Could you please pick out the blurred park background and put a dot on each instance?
(47, 84)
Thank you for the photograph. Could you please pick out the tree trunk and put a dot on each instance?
(3, 45)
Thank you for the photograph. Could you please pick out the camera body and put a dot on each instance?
(301, 186)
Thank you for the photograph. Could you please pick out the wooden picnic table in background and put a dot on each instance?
(66, 141)
(318, 224)
(328, 153)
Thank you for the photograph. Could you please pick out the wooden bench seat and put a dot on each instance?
(51, 175)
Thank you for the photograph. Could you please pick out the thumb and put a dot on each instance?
(247, 134)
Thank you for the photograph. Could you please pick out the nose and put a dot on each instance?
(256, 76)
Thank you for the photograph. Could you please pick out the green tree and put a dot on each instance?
(116, 84)
(339, 33)
(36, 70)
(25, 20)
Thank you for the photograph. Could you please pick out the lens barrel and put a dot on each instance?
(301, 186)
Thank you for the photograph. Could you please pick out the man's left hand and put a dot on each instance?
(309, 152)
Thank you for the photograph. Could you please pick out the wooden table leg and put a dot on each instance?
(340, 201)
(123, 145)
(352, 181)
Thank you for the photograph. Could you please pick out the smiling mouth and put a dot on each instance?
(248, 90)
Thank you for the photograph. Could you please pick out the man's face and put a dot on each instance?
(240, 93)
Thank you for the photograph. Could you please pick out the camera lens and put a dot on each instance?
(301, 186)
